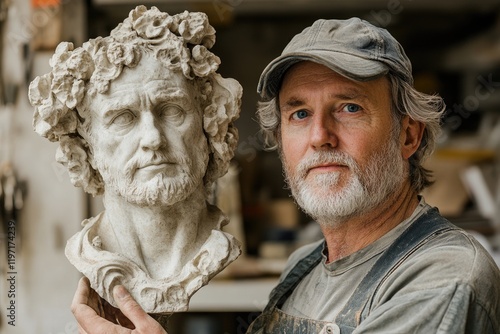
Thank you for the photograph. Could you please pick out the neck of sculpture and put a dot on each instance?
(160, 239)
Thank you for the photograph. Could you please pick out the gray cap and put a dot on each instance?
(353, 48)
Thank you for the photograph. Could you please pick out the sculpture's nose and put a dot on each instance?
(152, 138)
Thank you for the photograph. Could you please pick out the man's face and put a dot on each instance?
(147, 136)
(341, 155)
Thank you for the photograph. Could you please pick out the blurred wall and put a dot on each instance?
(53, 209)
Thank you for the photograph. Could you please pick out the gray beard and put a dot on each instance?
(363, 191)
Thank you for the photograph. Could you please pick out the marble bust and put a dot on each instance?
(142, 118)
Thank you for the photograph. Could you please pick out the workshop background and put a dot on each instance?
(455, 49)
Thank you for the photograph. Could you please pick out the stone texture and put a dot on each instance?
(143, 118)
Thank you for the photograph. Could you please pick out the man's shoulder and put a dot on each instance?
(453, 256)
(455, 251)
(458, 247)
(451, 271)
(298, 255)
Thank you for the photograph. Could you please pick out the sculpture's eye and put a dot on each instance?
(124, 118)
(171, 113)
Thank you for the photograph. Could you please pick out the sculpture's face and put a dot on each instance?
(147, 135)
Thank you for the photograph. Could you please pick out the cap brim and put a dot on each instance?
(348, 65)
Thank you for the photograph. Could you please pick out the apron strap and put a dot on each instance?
(281, 292)
(426, 226)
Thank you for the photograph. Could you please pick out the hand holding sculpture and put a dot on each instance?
(142, 117)
(96, 316)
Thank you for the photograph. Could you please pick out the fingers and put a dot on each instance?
(108, 312)
(81, 296)
(80, 299)
(90, 321)
(80, 330)
(123, 320)
(79, 305)
(134, 312)
(86, 316)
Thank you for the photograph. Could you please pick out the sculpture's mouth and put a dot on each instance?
(155, 166)
(148, 170)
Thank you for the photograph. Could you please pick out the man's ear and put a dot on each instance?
(411, 135)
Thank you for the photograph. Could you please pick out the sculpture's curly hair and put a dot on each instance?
(180, 42)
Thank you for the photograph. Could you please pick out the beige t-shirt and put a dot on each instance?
(451, 282)
(322, 294)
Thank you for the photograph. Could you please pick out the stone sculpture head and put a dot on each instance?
(142, 117)
(179, 44)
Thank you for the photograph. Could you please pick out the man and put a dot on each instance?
(352, 133)
(143, 118)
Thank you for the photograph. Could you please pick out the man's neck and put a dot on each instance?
(160, 239)
(355, 233)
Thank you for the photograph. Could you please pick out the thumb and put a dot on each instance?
(126, 303)
(134, 312)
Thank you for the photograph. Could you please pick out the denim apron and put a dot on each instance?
(274, 321)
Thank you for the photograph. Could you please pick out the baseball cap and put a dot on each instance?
(353, 48)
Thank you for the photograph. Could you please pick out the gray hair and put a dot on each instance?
(406, 100)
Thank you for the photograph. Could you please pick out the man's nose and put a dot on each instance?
(152, 136)
(323, 131)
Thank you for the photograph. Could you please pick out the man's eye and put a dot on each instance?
(352, 108)
(124, 118)
(301, 114)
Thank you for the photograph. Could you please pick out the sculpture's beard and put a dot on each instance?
(362, 191)
(161, 189)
